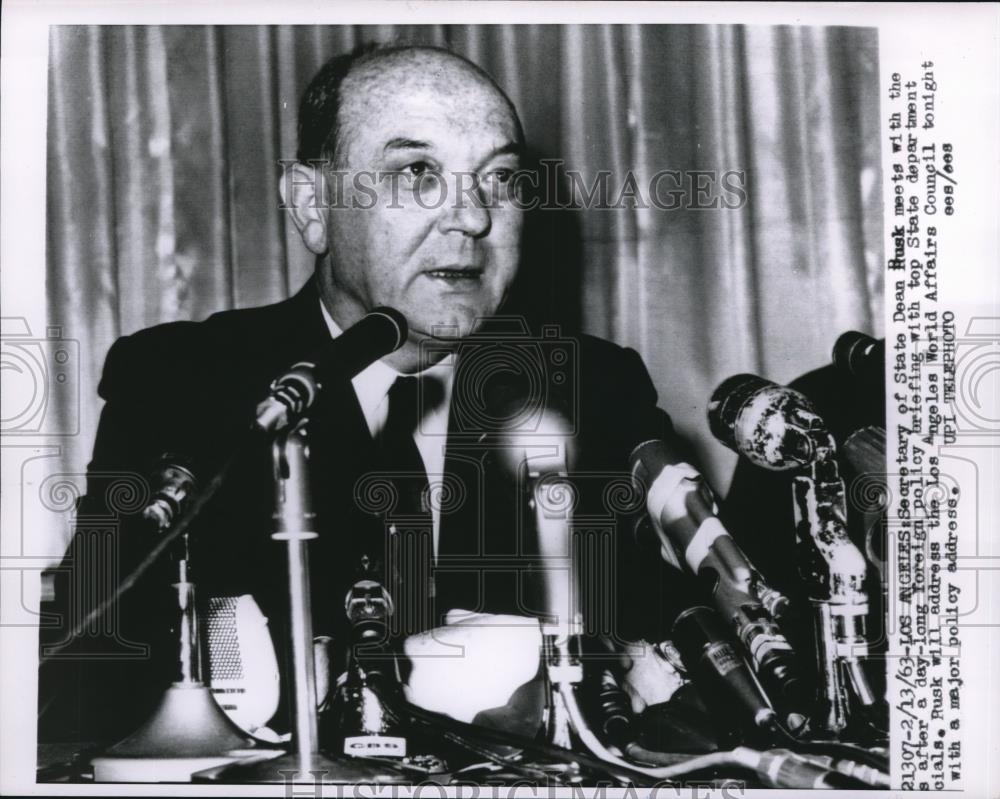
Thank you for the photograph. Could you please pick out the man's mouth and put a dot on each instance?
(456, 274)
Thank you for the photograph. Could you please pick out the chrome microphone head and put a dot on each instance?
(773, 426)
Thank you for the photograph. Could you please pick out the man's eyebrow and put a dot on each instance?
(510, 148)
(406, 144)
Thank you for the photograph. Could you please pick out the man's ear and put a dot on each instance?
(303, 196)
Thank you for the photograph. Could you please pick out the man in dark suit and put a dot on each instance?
(401, 189)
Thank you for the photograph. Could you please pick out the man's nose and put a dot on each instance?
(466, 211)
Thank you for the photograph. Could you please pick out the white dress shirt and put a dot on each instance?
(372, 388)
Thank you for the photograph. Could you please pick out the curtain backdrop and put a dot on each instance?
(164, 145)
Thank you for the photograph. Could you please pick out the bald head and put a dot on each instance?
(349, 89)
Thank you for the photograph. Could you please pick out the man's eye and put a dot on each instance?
(500, 175)
(416, 169)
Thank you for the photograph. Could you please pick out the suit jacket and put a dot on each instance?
(192, 388)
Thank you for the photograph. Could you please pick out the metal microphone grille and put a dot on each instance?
(224, 660)
(242, 665)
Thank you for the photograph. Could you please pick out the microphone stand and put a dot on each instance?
(169, 534)
(552, 499)
(188, 731)
(294, 524)
(280, 418)
(778, 429)
(841, 642)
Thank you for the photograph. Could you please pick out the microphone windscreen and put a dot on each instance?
(241, 665)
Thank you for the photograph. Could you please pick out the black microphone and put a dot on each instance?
(860, 356)
(716, 665)
(773, 426)
(682, 508)
(361, 719)
(859, 360)
(382, 331)
(864, 449)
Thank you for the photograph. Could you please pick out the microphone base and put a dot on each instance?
(187, 732)
(310, 769)
(159, 769)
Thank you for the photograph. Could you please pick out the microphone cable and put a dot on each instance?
(844, 751)
(436, 722)
(761, 763)
(618, 717)
(470, 737)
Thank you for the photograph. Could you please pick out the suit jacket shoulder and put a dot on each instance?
(218, 347)
(618, 401)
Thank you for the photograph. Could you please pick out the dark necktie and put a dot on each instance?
(409, 525)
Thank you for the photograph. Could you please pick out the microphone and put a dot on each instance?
(682, 508)
(778, 429)
(544, 453)
(360, 720)
(773, 426)
(368, 607)
(865, 451)
(710, 657)
(860, 360)
(242, 664)
(173, 482)
(382, 331)
(860, 356)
